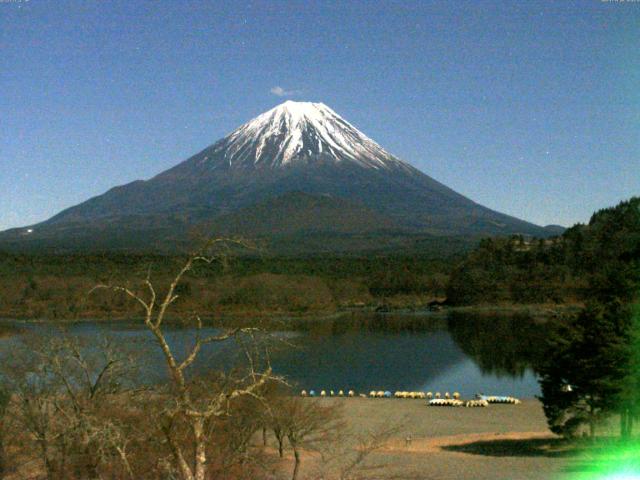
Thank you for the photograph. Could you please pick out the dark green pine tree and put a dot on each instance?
(593, 366)
(629, 398)
(582, 380)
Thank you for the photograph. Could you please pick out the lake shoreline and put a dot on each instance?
(542, 311)
(359, 351)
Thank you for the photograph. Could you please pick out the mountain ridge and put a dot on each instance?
(294, 147)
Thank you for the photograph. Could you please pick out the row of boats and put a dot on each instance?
(433, 399)
(481, 401)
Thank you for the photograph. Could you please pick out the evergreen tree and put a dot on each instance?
(582, 380)
(593, 367)
(629, 399)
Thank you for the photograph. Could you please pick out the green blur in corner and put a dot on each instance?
(615, 461)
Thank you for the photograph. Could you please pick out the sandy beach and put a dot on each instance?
(498, 442)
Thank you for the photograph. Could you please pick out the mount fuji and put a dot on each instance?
(297, 171)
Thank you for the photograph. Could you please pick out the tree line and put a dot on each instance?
(590, 370)
(56, 286)
(593, 367)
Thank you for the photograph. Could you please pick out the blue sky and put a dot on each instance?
(531, 108)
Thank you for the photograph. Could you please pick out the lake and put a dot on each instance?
(363, 352)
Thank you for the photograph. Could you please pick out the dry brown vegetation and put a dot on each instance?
(66, 297)
(74, 410)
(56, 286)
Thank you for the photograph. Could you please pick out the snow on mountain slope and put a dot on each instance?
(298, 147)
(299, 132)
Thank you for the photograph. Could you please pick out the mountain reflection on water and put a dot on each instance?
(463, 353)
(363, 352)
(499, 345)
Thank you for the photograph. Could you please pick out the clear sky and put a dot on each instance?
(531, 108)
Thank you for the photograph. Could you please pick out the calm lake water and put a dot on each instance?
(362, 352)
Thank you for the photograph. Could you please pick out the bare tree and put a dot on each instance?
(188, 403)
(355, 466)
(305, 423)
(316, 426)
(5, 397)
(348, 457)
(60, 387)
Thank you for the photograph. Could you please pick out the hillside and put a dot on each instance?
(556, 270)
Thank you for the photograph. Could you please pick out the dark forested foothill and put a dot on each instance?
(590, 369)
(601, 257)
(516, 270)
(57, 286)
(593, 368)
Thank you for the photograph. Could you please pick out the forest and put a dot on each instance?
(563, 269)
(58, 286)
(514, 270)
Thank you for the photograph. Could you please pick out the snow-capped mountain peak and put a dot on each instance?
(290, 173)
(301, 132)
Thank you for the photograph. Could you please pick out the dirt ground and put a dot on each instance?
(498, 442)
